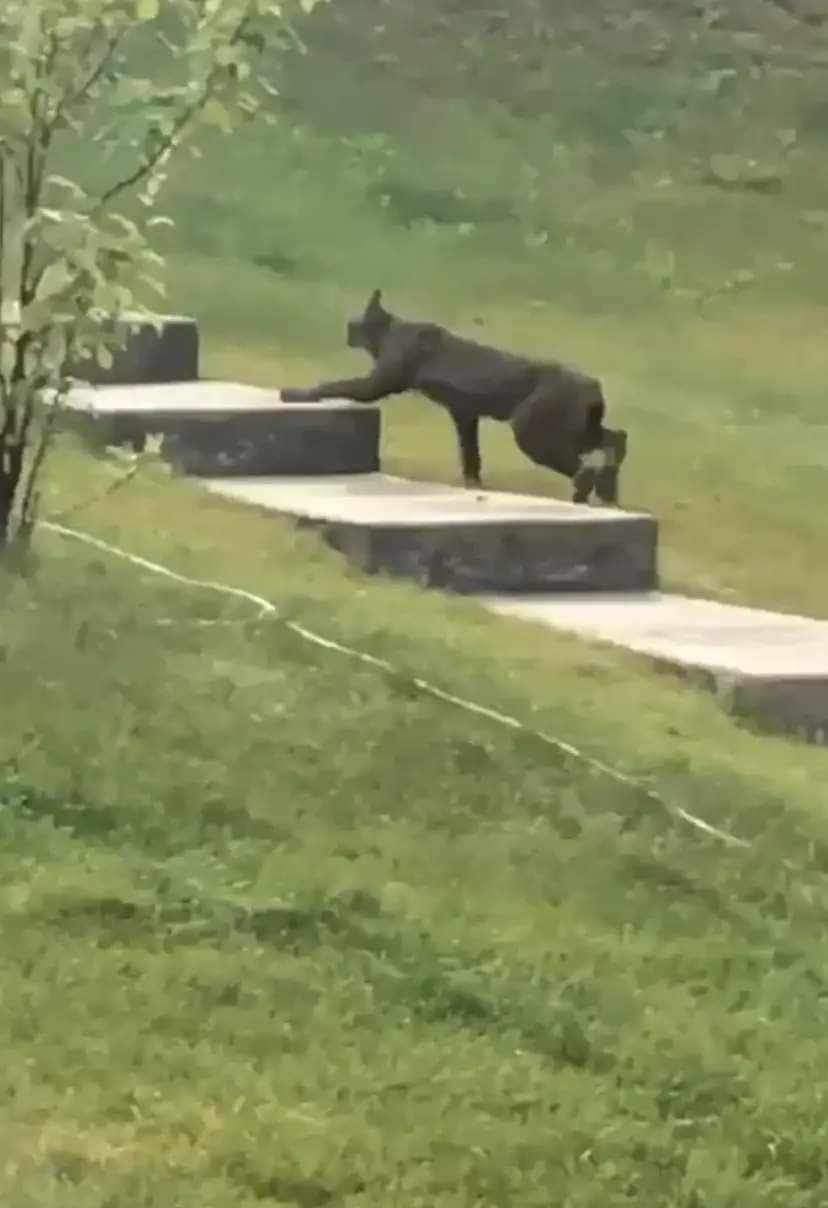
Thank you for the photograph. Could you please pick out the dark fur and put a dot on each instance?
(556, 412)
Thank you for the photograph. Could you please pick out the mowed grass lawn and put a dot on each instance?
(277, 929)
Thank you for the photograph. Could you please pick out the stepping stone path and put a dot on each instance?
(588, 571)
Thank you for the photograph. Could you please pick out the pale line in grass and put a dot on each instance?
(266, 608)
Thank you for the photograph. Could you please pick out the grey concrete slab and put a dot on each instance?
(204, 397)
(771, 666)
(225, 428)
(168, 352)
(466, 541)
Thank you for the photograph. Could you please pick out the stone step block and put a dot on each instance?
(168, 352)
(223, 428)
(768, 666)
(464, 541)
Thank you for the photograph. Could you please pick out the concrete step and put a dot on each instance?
(769, 666)
(465, 541)
(166, 350)
(224, 428)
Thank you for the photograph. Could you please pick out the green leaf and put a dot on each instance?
(61, 182)
(55, 278)
(131, 89)
(225, 55)
(157, 287)
(215, 114)
(147, 10)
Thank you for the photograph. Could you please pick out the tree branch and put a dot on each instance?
(82, 93)
(29, 501)
(148, 165)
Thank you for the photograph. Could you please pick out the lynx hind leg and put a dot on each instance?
(590, 465)
(614, 452)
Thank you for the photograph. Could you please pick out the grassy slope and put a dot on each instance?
(277, 929)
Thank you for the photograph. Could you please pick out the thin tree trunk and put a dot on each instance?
(19, 405)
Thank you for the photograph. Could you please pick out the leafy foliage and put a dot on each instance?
(72, 263)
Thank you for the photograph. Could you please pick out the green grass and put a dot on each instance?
(277, 929)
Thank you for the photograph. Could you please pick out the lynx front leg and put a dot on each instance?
(468, 437)
(359, 390)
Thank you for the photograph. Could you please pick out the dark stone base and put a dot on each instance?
(282, 441)
(462, 541)
(222, 429)
(795, 705)
(150, 355)
(508, 557)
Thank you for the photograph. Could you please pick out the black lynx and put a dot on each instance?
(556, 412)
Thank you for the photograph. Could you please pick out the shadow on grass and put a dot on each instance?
(102, 822)
(409, 974)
